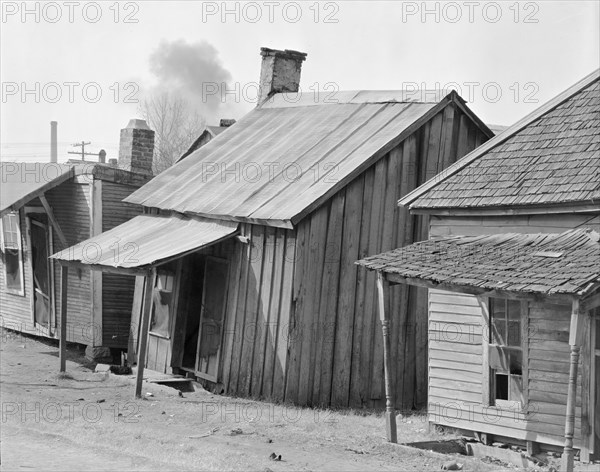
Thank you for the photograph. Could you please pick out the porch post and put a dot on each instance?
(575, 337)
(383, 287)
(141, 358)
(64, 281)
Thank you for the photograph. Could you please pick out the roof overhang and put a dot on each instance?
(144, 242)
(522, 266)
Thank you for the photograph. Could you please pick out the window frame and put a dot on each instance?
(490, 372)
(19, 235)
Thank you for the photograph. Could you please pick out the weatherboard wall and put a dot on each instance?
(457, 344)
(117, 290)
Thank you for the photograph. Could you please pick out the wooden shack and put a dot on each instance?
(254, 288)
(46, 207)
(513, 271)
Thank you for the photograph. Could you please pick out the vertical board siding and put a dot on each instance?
(364, 220)
(456, 331)
(258, 308)
(117, 290)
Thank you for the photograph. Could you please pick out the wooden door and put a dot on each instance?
(212, 316)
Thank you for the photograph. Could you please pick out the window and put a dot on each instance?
(12, 253)
(160, 322)
(506, 352)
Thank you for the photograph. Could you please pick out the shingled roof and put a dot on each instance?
(550, 157)
(562, 263)
(291, 154)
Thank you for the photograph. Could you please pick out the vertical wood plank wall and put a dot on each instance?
(117, 290)
(257, 320)
(301, 322)
(335, 341)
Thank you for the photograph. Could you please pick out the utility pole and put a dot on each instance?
(82, 145)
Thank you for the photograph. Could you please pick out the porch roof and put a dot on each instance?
(564, 263)
(146, 241)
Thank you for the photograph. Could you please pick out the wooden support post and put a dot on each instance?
(143, 341)
(383, 289)
(575, 337)
(64, 281)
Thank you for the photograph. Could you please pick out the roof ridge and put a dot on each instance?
(500, 138)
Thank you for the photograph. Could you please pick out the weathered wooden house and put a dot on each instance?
(248, 244)
(513, 271)
(46, 207)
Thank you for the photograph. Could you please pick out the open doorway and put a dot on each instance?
(42, 278)
(204, 292)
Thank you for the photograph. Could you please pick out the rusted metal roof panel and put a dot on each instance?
(146, 240)
(282, 157)
(557, 263)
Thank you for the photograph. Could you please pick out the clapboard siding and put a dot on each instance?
(479, 225)
(336, 345)
(15, 310)
(71, 203)
(456, 371)
(117, 290)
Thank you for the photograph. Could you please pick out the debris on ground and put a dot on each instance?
(235, 432)
(208, 433)
(452, 465)
(275, 457)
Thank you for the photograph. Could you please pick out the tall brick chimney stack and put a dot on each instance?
(280, 72)
(136, 147)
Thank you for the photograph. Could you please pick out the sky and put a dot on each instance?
(90, 65)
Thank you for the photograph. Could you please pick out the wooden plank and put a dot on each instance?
(253, 298)
(285, 310)
(362, 291)
(310, 321)
(296, 322)
(277, 255)
(136, 317)
(263, 312)
(233, 385)
(148, 289)
(329, 300)
(371, 328)
(587, 439)
(406, 222)
(343, 346)
(64, 283)
(389, 230)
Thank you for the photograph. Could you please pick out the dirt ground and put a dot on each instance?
(90, 421)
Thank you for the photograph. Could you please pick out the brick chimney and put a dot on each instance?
(136, 147)
(280, 72)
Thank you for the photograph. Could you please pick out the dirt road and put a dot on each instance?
(90, 421)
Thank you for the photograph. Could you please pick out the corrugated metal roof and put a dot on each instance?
(551, 156)
(285, 156)
(565, 263)
(146, 240)
(21, 182)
